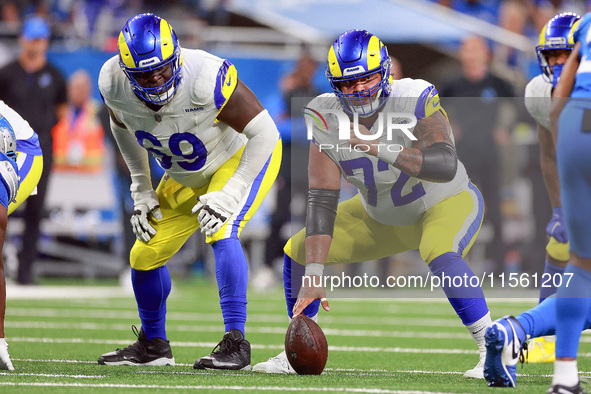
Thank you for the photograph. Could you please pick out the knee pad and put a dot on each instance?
(558, 250)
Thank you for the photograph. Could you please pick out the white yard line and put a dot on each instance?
(337, 332)
(451, 321)
(50, 375)
(18, 292)
(368, 349)
(339, 371)
(15, 291)
(251, 330)
(216, 387)
(253, 346)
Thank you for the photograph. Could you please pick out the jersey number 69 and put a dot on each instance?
(178, 143)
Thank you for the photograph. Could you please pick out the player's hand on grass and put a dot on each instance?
(308, 293)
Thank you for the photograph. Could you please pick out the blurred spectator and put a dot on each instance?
(11, 25)
(78, 137)
(486, 10)
(297, 85)
(479, 129)
(215, 12)
(10, 15)
(513, 18)
(37, 91)
(94, 19)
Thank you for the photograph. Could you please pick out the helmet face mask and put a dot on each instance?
(148, 46)
(356, 57)
(557, 35)
(7, 139)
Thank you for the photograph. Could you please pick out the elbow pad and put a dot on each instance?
(321, 211)
(440, 163)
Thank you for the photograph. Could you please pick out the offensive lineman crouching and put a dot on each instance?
(417, 197)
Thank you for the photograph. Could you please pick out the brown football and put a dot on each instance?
(305, 346)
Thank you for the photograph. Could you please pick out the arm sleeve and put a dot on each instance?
(262, 136)
(136, 159)
(440, 163)
(321, 211)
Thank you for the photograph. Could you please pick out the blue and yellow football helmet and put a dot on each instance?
(147, 42)
(7, 139)
(356, 54)
(557, 34)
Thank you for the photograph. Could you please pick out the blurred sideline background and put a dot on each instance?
(85, 232)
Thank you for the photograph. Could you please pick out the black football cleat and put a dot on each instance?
(233, 352)
(143, 352)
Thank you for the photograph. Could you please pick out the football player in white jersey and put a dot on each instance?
(221, 152)
(21, 164)
(554, 46)
(412, 194)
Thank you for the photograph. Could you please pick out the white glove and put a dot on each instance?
(11, 178)
(146, 204)
(215, 208)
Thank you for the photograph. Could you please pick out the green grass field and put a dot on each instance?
(375, 345)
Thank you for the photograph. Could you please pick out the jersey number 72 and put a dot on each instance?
(366, 166)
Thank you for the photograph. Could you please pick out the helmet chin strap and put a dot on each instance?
(169, 94)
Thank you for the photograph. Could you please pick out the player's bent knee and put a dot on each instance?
(287, 248)
(431, 252)
(295, 248)
(144, 258)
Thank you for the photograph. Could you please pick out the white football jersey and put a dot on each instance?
(27, 140)
(21, 127)
(389, 196)
(538, 98)
(184, 135)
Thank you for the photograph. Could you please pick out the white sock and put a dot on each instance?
(314, 318)
(478, 329)
(566, 373)
(3, 342)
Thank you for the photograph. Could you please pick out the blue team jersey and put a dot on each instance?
(582, 87)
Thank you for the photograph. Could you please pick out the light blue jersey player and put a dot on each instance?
(568, 312)
(555, 44)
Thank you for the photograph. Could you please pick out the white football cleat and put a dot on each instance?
(478, 371)
(277, 364)
(5, 362)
